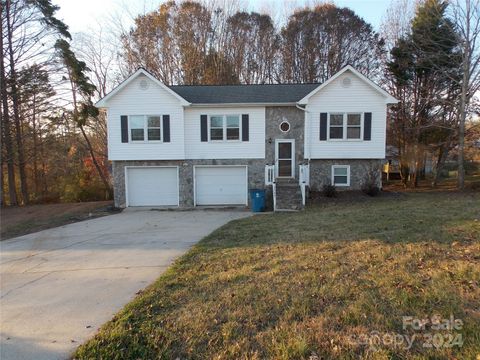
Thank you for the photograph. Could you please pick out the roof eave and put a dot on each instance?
(103, 102)
(243, 104)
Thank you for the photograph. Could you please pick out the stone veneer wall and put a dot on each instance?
(256, 175)
(274, 116)
(321, 172)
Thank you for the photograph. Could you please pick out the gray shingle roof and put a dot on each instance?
(238, 94)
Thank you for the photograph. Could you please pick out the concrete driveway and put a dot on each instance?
(58, 286)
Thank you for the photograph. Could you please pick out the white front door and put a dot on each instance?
(151, 186)
(221, 185)
(285, 158)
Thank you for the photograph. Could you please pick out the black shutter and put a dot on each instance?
(203, 128)
(245, 127)
(124, 126)
(367, 126)
(166, 128)
(323, 126)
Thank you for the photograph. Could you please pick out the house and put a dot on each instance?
(208, 145)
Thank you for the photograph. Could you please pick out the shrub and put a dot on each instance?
(371, 189)
(474, 185)
(370, 184)
(329, 190)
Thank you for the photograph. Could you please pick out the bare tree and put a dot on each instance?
(317, 42)
(466, 17)
(6, 125)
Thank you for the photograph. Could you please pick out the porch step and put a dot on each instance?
(286, 182)
(289, 195)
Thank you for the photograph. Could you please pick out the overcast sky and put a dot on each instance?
(80, 15)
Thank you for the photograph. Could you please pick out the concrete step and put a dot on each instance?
(286, 181)
(289, 196)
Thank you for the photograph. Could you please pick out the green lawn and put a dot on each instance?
(308, 285)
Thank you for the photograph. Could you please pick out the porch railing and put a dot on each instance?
(304, 180)
(269, 174)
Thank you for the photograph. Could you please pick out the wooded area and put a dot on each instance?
(54, 142)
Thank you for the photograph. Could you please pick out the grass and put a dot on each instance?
(303, 285)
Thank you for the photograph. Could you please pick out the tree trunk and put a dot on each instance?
(442, 156)
(95, 162)
(464, 101)
(35, 145)
(461, 132)
(44, 165)
(2, 153)
(7, 137)
(16, 115)
(87, 140)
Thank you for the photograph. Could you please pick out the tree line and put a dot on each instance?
(190, 43)
(51, 147)
(54, 139)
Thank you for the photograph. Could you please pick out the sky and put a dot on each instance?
(85, 14)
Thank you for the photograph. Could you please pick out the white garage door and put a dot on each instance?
(152, 186)
(221, 185)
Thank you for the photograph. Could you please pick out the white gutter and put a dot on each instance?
(240, 104)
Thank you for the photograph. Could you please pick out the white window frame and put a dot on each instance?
(361, 126)
(284, 122)
(145, 130)
(340, 167)
(277, 142)
(345, 125)
(224, 117)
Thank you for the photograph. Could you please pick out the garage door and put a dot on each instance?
(152, 186)
(221, 185)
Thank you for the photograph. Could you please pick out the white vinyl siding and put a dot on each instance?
(225, 149)
(154, 101)
(221, 185)
(359, 98)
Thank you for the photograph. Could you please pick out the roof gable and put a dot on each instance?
(389, 99)
(103, 102)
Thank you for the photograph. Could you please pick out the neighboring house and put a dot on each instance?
(208, 145)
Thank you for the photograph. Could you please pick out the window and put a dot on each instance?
(137, 128)
(145, 128)
(345, 126)
(233, 127)
(354, 126)
(224, 127)
(336, 126)
(341, 175)
(216, 128)
(284, 126)
(153, 123)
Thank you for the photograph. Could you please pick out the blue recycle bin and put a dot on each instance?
(257, 196)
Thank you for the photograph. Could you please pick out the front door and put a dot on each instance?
(285, 158)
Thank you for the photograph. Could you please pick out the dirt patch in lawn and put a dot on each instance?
(21, 220)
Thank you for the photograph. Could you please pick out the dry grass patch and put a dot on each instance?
(300, 286)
